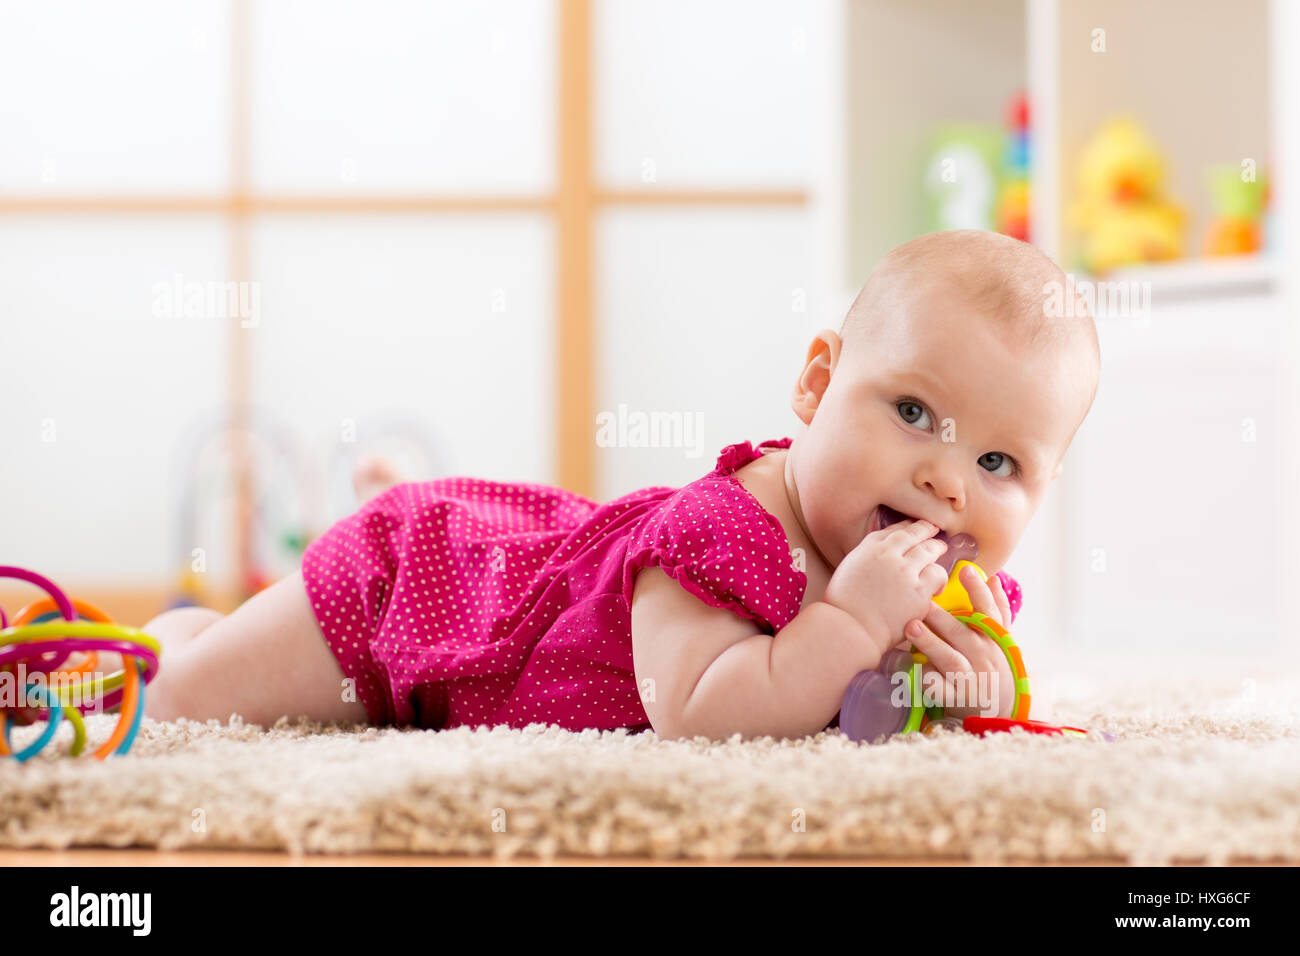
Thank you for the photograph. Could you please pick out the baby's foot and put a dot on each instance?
(373, 476)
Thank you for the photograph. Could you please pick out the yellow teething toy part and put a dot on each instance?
(953, 598)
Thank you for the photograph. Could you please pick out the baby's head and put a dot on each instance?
(951, 393)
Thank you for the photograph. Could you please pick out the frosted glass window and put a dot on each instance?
(102, 377)
(705, 314)
(123, 97)
(404, 96)
(373, 327)
(704, 94)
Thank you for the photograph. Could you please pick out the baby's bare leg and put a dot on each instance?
(172, 629)
(179, 626)
(265, 660)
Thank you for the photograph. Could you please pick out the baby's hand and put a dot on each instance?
(955, 650)
(888, 579)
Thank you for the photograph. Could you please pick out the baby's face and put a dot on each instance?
(938, 417)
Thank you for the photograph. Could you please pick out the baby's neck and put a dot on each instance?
(769, 478)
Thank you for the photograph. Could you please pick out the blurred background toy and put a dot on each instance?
(286, 500)
(962, 176)
(1013, 198)
(1121, 209)
(1238, 200)
(289, 496)
(1269, 217)
(976, 176)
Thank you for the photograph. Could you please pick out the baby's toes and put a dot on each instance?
(373, 476)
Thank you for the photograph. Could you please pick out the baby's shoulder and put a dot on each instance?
(719, 542)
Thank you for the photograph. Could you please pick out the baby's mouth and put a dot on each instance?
(961, 546)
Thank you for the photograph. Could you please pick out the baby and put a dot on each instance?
(744, 602)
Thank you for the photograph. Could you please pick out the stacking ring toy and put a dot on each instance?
(33, 649)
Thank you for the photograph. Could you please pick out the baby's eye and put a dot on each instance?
(1000, 460)
(912, 412)
(907, 406)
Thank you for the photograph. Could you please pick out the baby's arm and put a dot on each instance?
(715, 674)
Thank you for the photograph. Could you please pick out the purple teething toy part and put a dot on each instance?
(961, 547)
(868, 711)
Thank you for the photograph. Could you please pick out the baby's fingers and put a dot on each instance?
(1003, 602)
(981, 595)
(940, 653)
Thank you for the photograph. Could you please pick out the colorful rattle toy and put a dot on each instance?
(870, 711)
(32, 652)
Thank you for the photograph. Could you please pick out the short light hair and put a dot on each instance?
(1012, 278)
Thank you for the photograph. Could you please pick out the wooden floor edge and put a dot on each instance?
(137, 856)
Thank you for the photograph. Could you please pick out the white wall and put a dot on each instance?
(706, 312)
(1171, 531)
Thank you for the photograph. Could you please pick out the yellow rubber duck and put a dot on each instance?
(1121, 209)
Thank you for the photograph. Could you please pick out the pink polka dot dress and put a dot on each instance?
(468, 602)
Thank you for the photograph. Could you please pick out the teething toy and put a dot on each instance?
(35, 646)
(871, 712)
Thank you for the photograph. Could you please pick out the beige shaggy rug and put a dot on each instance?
(1207, 770)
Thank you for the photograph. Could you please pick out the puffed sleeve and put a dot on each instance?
(721, 545)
